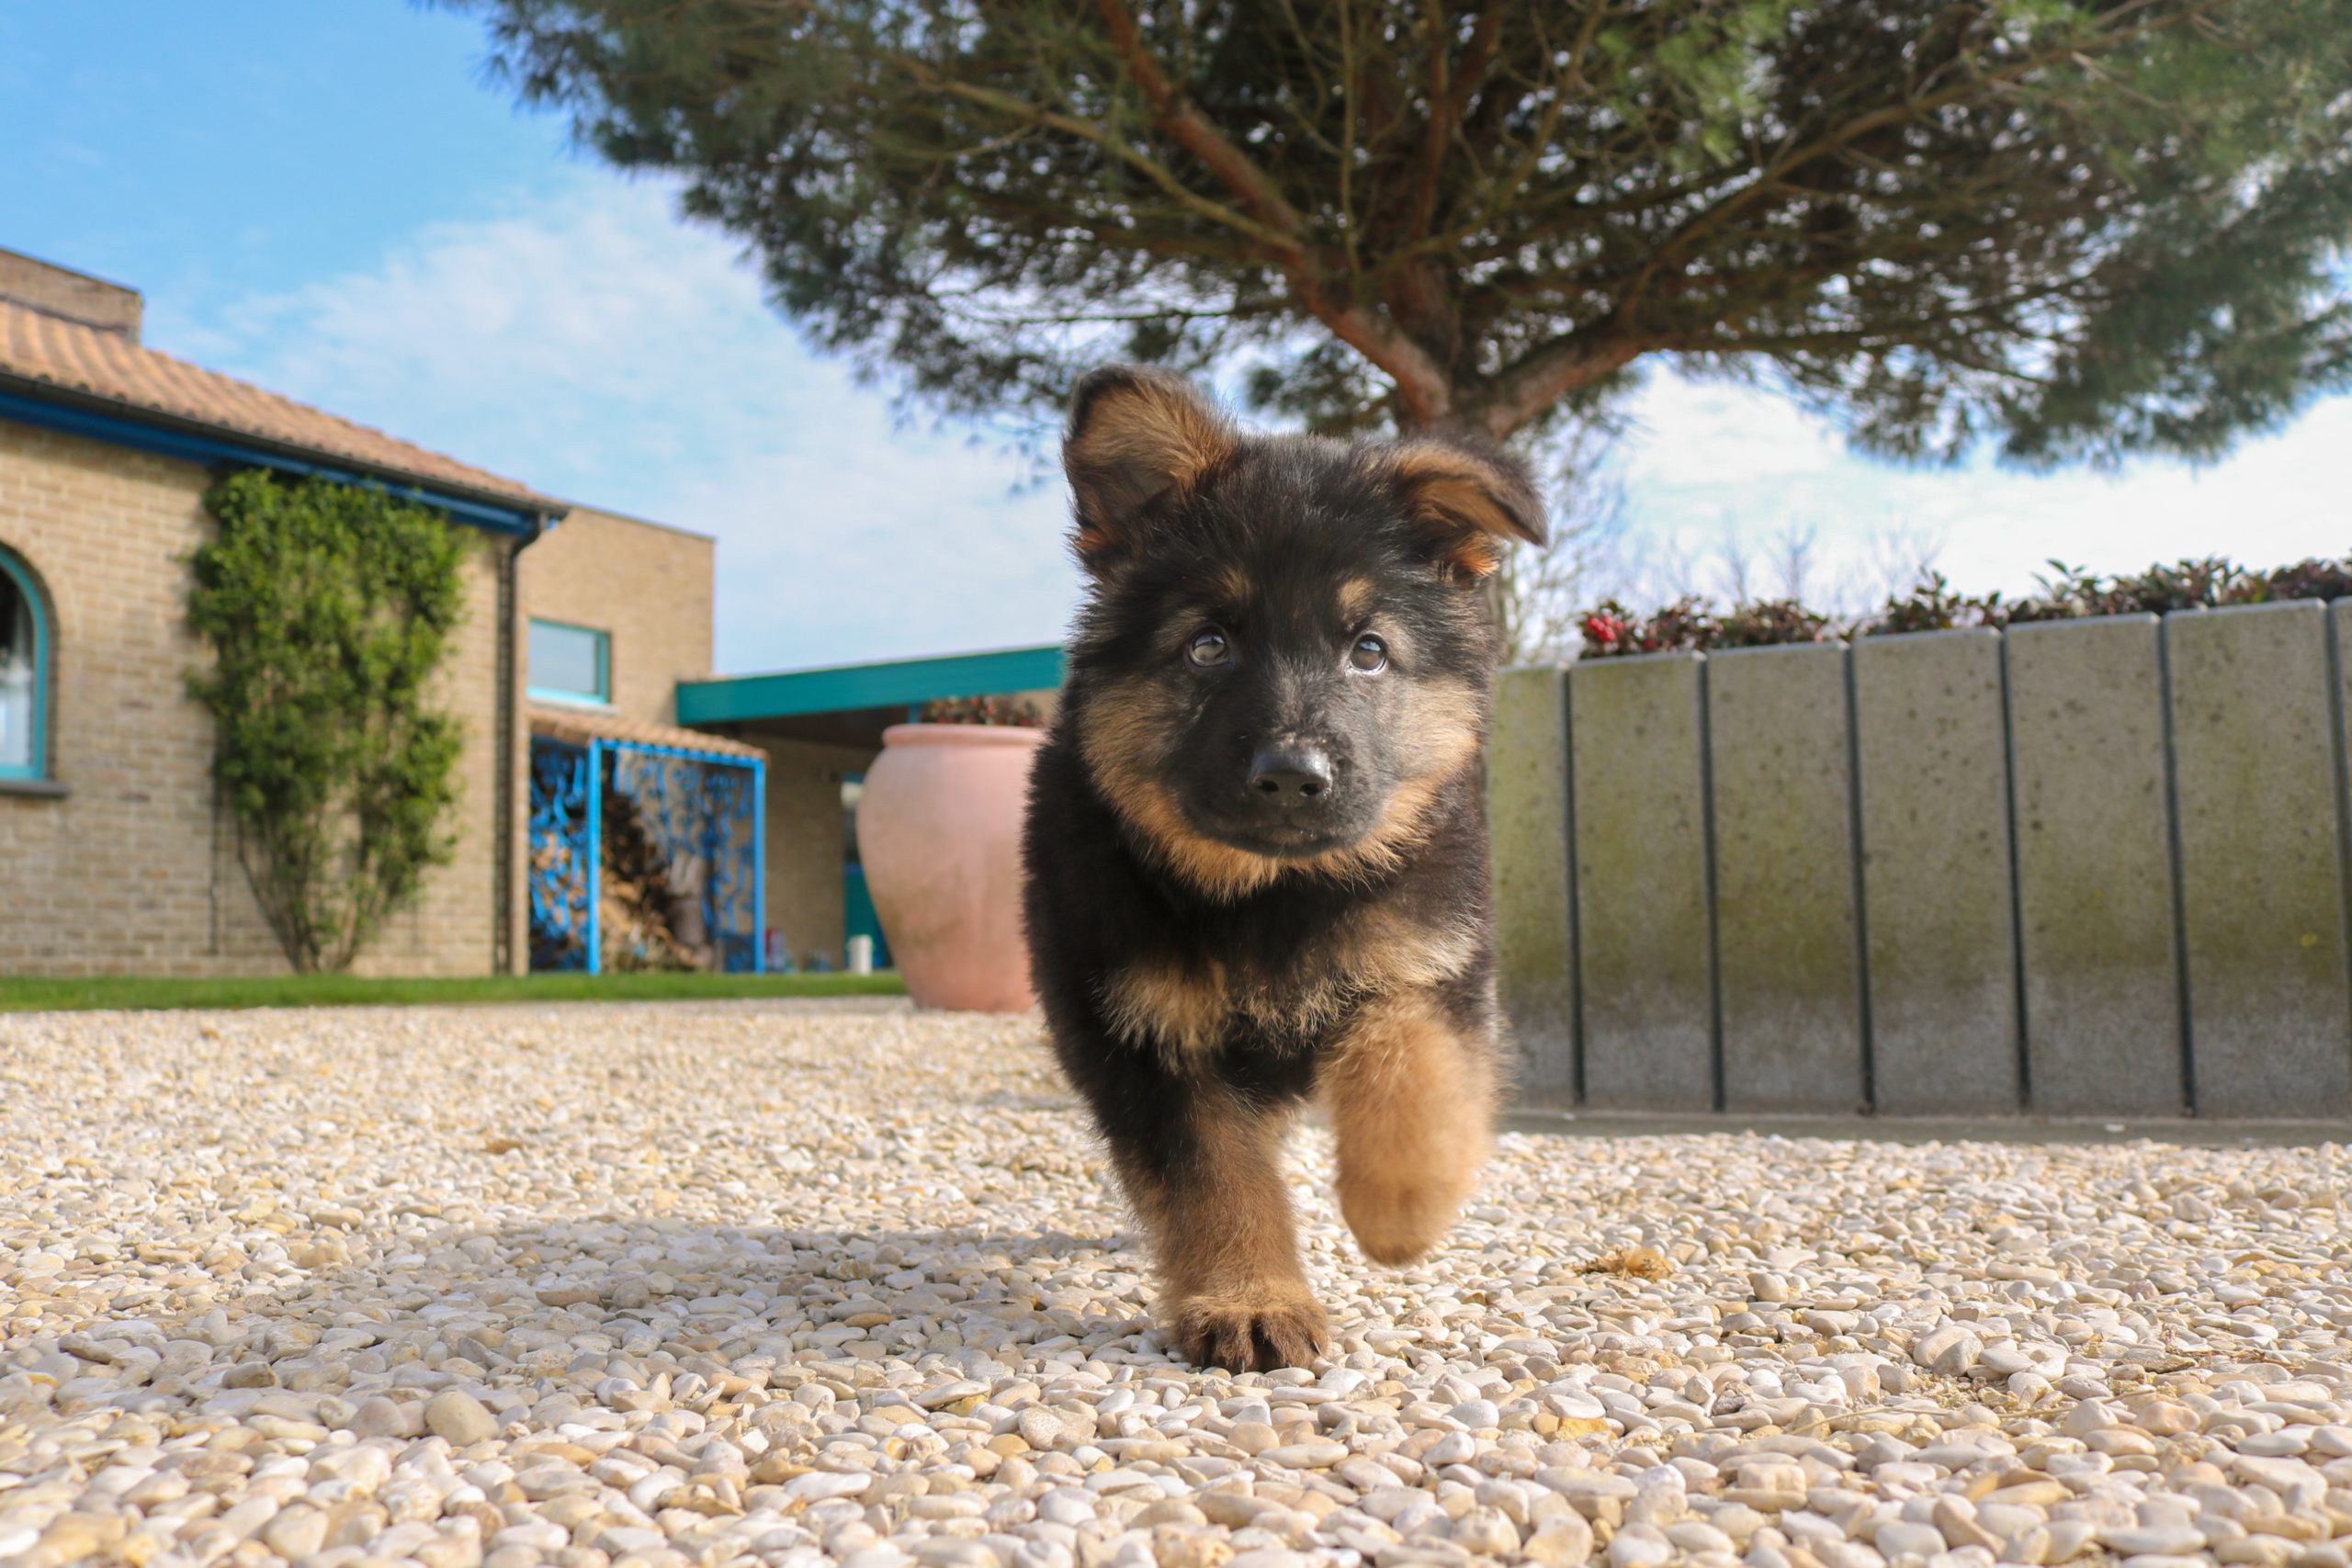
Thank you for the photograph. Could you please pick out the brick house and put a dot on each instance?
(584, 628)
(116, 855)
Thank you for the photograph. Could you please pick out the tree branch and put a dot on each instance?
(1176, 114)
(1423, 389)
(1424, 392)
(1544, 376)
(1571, 76)
(1101, 136)
(1451, 87)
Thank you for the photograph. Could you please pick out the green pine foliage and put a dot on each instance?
(2076, 229)
(329, 608)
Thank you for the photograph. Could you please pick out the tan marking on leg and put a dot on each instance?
(1232, 1292)
(1412, 1101)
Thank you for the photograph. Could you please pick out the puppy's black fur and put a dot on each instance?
(1256, 846)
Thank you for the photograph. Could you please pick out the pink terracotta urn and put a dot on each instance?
(939, 829)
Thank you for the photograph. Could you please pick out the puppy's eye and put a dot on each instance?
(1369, 655)
(1208, 650)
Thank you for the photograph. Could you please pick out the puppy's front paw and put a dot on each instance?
(1252, 1329)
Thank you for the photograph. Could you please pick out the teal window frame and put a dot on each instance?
(20, 574)
(602, 697)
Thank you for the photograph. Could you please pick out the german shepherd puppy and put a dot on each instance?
(1256, 849)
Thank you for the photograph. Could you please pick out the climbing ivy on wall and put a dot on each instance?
(328, 608)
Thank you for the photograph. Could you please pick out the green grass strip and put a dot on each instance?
(145, 992)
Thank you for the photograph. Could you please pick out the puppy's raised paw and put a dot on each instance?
(1397, 1224)
(1250, 1330)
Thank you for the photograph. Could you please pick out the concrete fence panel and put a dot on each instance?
(1535, 958)
(2095, 869)
(1937, 896)
(2092, 868)
(1644, 959)
(1787, 953)
(2254, 737)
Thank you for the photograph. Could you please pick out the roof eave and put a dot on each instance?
(30, 401)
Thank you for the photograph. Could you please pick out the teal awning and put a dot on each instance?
(846, 688)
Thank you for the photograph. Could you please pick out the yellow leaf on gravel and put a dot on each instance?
(1632, 1263)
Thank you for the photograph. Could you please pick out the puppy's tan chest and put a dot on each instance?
(1182, 1009)
(1185, 1010)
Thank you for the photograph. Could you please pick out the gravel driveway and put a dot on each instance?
(795, 1282)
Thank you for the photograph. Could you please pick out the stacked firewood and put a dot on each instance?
(648, 912)
(636, 904)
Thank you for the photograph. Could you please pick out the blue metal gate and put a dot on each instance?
(706, 813)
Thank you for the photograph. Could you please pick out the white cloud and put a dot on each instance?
(587, 341)
(1710, 463)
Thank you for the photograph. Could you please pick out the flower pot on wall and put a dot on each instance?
(939, 831)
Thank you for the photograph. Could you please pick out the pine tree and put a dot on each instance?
(2079, 231)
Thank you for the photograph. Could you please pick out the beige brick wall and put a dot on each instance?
(804, 844)
(649, 586)
(134, 870)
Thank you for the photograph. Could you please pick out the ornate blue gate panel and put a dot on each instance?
(680, 832)
(704, 812)
(563, 865)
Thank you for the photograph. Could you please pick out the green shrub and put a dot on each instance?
(1019, 713)
(1771, 621)
(1610, 630)
(1932, 606)
(328, 608)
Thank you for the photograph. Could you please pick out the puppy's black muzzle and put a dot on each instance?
(1290, 778)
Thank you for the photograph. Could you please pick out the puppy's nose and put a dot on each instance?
(1290, 774)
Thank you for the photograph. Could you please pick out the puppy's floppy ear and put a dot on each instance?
(1469, 496)
(1135, 435)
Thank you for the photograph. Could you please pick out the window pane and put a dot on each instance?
(567, 660)
(16, 675)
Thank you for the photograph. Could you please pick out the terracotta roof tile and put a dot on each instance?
(581, 726)
(108, 366)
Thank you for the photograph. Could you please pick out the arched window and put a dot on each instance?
(24, 673)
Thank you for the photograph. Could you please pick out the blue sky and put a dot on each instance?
(331, 200)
